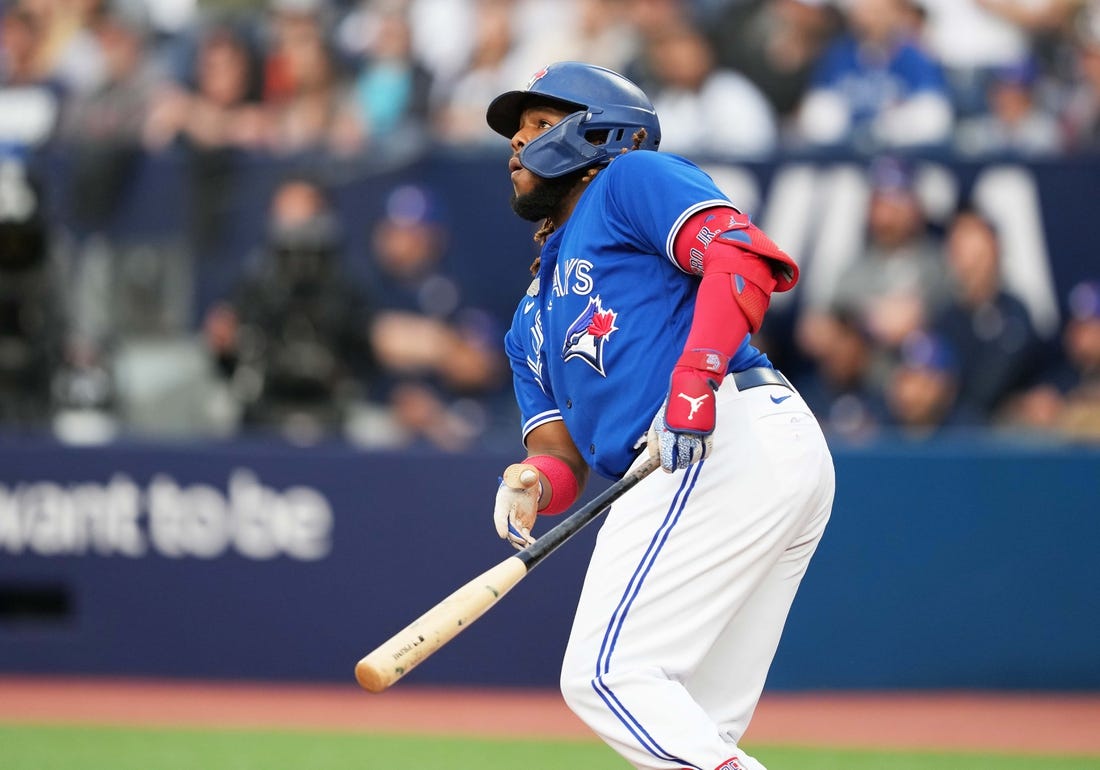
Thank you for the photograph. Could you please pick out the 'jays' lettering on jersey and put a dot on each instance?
(594, 341)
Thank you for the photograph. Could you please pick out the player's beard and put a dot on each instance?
(545, 200)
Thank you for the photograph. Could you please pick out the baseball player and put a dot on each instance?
(633, 338)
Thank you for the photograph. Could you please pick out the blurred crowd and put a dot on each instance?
(919, 333)
(743, 78)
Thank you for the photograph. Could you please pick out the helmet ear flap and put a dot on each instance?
(563, 149)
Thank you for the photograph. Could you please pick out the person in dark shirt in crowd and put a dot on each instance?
(295, 340)
(922, 390)
(438, 355)
(102, 128)
(1065, 400)
(844, 384)
(989, 328)
(32, 310)
(214, 114)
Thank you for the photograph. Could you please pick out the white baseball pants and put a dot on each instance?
(689, 586)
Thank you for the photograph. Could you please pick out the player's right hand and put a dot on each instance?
(517, 504)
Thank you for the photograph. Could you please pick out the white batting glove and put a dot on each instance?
(517, 504)
(676, 450)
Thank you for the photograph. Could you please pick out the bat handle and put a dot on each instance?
(579, 519)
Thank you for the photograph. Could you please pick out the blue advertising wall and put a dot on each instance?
(954, 564)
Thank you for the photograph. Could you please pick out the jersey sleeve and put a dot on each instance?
(652, 194)
(523, 345)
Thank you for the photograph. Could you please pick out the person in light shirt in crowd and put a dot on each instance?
(703, 107)
(1015, 123)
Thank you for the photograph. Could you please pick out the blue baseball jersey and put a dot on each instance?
(594, 341)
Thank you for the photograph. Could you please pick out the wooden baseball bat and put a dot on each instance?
(413, 644)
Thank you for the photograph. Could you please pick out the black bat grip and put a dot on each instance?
(576, 521)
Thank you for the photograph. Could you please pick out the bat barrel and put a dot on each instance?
(417, 641)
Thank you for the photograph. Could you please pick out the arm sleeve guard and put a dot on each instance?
(740, 268)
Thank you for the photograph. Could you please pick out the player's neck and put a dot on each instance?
(569, 202)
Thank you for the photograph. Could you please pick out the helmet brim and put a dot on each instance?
(504, 111)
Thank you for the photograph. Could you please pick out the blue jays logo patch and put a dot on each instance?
(536, 78)
(587, 335)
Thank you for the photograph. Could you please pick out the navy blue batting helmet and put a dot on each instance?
(605, 110)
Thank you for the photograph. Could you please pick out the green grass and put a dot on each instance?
(103, 748)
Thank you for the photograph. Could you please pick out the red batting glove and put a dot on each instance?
(681, 431)
(690, 404)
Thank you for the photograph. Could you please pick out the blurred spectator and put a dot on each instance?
(103, 128)
(922, 389)
(989, 328)
(390, 97)
(704, 109)
(845, 384)
(20, 36)
(972, 41)
(603, 35)
(496, 63)
(1015, 123)
(67, 51)
(1045, 22)
(442, 34)
(214, 116)
(875, 88)
(303, 87)
(775, 44)
(897, 283)
(1081, 113)
(219, 106)
(649, 18)
(438, 356)
(294, 340)
(117, 290)
(29, 102)
(33, 323)
(1066, 399)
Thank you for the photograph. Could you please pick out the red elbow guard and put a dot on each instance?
(703, 235)
(740, 269)
(752, 300)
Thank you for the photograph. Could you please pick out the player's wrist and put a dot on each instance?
(561, 485)
(708, 364)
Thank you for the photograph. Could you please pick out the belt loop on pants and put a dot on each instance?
(757, 376)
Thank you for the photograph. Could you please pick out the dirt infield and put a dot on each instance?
(1040, 723)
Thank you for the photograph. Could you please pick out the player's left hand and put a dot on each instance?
(517, 504)
(681, 432)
